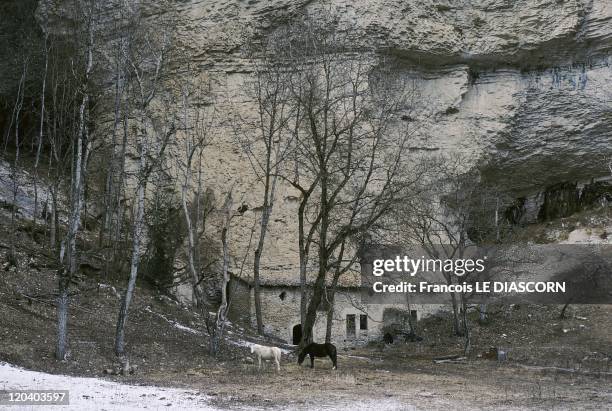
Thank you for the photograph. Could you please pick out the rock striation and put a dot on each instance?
(521, 84)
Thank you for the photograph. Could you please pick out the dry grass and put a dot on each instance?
(371, 376)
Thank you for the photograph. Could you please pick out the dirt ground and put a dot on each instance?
(552, 363)
(403, 376)
(416, 383)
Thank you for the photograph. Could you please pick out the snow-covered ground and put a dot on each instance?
(98, 394)
(173, 323)
(232, 338)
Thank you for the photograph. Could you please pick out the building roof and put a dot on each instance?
(282, 276)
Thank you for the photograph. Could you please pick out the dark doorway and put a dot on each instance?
(297, 334)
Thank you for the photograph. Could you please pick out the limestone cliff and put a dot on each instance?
(521, 84)
(526, 80)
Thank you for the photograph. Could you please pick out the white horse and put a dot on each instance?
(267, 353)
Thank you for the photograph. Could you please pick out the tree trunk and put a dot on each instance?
(191, 235)
(18, 107)
(62, 316)
(121, 188)
(110, 173)
(77, 194)
(410, 323)
(331, 297)
(311, 312)
(466, 329)
(331, 293)
(224, 240)
(482, 316)
(256, 286)
(42, 110)
(222, 312)
(456, 322)
(265, 218)
(77, 205)
(303, 249)
(319, 285)
(193, 146)
(54, 219)
(129, 292)
(40, 136)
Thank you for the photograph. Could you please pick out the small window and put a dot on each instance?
(350, 325)
(413, 314)
(282, 295)
(363, 322)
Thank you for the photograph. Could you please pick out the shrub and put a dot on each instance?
(166, 232)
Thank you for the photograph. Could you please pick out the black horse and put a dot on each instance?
(319, 350)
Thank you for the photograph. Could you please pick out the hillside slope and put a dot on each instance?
(552, 362)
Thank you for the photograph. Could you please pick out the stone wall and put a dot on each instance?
(240, 297)
(281, 313)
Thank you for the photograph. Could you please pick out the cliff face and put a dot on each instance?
(525, 33)
(523, 85)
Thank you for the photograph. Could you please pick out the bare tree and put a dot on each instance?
(17, 120)
(197, 123)
(119, 60)
(39, 144)
(154, 132)
(264, 139)
(349, 149)
(216, 328)
(438, 219)
(58, 120)
(454, 212)
(89, 14)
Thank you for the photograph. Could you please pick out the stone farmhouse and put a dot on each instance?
(353, 322)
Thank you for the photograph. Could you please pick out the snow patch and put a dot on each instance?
(589, 236)
(173, 323)
(237, 342)
(98, 394)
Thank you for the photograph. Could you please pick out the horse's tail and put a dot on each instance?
(333, 354)
(331, 348)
